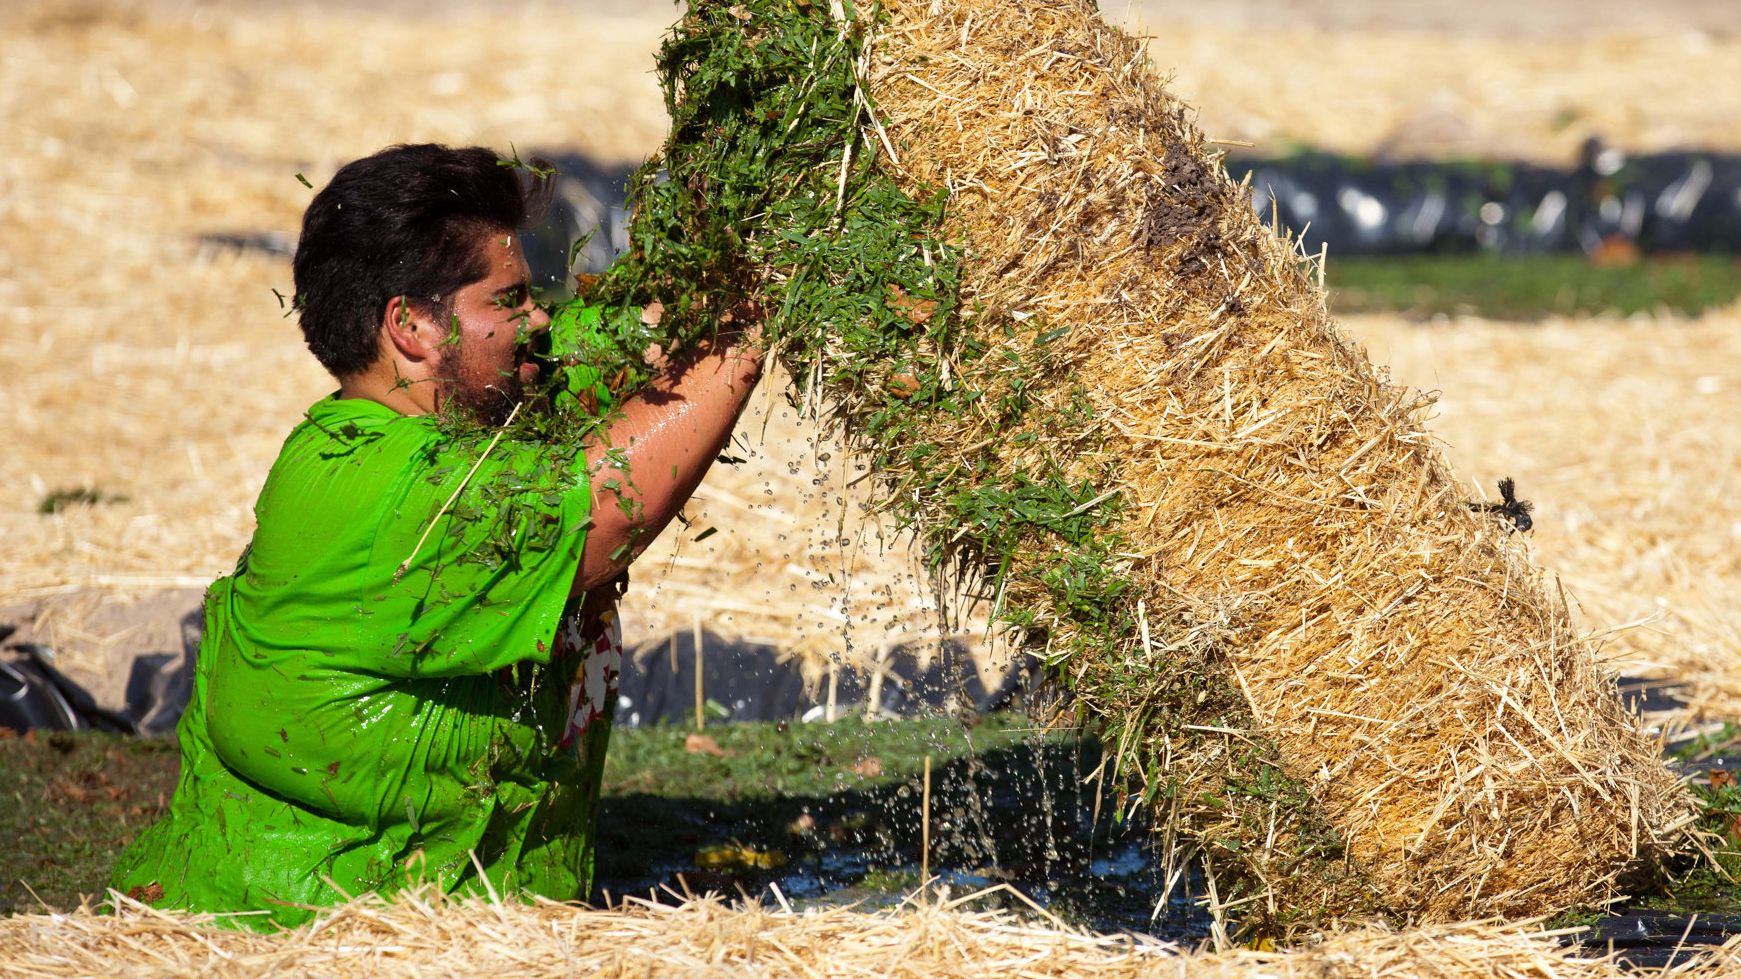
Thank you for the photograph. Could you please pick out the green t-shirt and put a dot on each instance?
(356, 725)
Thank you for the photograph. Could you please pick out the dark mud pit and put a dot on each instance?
(1007, 807)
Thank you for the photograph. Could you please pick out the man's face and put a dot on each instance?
(486, 359)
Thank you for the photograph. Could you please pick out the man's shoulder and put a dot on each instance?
(355, 435)
(359, 423)
(353, 463)
(342, 456)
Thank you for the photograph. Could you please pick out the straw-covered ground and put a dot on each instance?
(419, 935)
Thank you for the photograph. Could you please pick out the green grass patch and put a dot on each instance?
(65, 499)
(1708, 745)
(1712, 886)
(68, 804)
(1530, 287)
(763, 761)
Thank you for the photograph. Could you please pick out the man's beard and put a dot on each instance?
(488, 399)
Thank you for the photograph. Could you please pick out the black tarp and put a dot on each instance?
(36, 695)
(1664, 202)
(1683, 201)
(1660, 939)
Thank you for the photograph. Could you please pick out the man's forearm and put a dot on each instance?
(665, 439)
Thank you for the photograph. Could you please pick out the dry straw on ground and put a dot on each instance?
(147, 365)
(1299, 547)
(422, 934)
(161, 370)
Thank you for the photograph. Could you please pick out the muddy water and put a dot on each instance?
(1017, 815)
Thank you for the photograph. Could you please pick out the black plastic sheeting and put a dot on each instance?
(36, 695)
(585, 229)
(588, 225)
(1664, 202)
(744, 680)
(1659, 939)
(741, 681)
(1650, 695)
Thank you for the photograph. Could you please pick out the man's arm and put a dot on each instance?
(668, 435)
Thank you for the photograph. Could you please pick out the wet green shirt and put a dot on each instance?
(354, 727)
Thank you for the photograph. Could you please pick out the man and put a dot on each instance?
(410, 674)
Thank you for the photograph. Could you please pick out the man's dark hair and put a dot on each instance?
(407, 221)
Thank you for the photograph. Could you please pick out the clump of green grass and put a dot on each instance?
(1711, 884)
(66, 498)
(769, 187)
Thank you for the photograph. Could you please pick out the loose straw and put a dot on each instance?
(833, 692)
(925, 829)
(700, 694)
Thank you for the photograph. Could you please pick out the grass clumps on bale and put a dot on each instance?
(997, 253)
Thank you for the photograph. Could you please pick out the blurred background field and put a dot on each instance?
(155, 373)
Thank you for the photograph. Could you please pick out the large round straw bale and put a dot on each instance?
(1113, 402)
(1289, 525)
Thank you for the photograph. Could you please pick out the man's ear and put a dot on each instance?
(415, 335)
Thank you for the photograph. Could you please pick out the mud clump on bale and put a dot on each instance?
(1004, 259)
